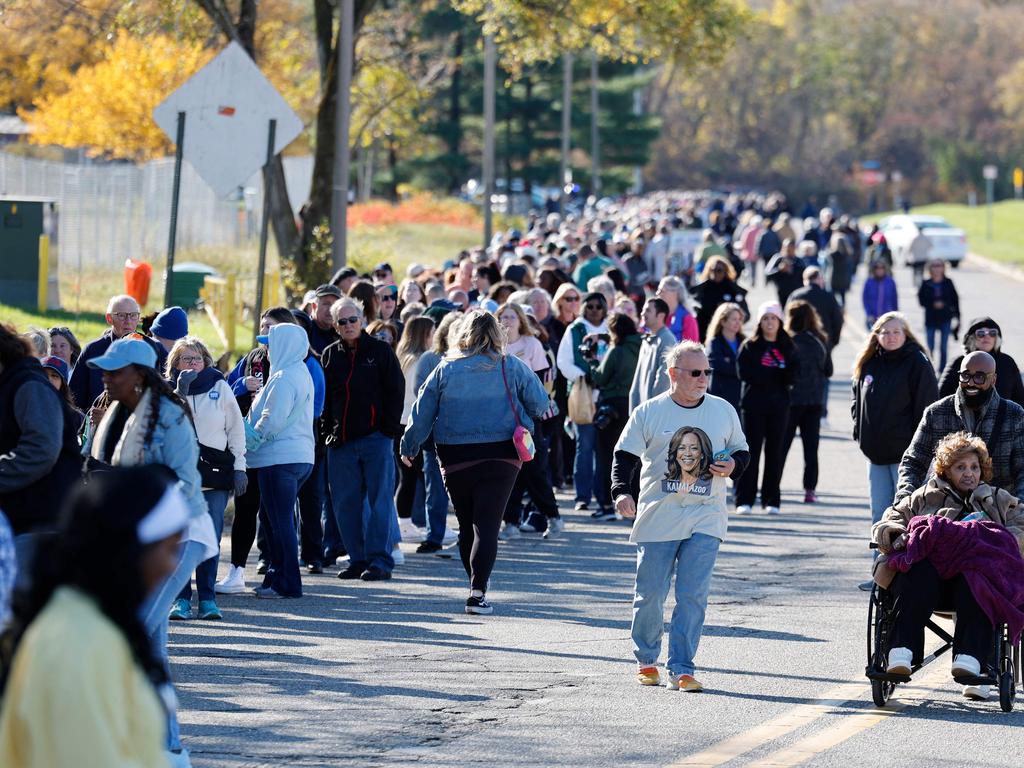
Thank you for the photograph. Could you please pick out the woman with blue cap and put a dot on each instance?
(148, 423)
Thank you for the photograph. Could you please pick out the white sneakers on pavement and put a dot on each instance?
(509, 531)
(233, 583)
(398, 555)
(744, 509)
(773, 510)
(977, 692)
(411, 532)
(555, 527)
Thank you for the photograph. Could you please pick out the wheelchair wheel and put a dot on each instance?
(881, 690)
(1007, 691)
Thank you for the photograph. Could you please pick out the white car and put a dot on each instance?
(948, 242)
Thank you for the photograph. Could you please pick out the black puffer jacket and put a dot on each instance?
(889, 397)
(815, 369)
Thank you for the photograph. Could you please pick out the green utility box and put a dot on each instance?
(188, 279)
(28, 252)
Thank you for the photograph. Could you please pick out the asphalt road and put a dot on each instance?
(395, 673)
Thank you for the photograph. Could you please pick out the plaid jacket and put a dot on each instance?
(944, 417)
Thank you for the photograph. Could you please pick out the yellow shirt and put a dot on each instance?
(76, 698)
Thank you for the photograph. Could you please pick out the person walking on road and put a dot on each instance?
(829, 312)
(941, 303)
(651, 376)
(686, 443)
(362, 417)
(480, 458)
(77, 654)
(718, 286)
(893, 384)
(803, 326)
(879, 295)
(984, 334)
(681, 321)
(724, 339)
(768, 366)
(978, 409)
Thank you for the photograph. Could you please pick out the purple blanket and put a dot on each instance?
(984, 552)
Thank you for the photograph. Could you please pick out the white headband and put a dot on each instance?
(169, 516)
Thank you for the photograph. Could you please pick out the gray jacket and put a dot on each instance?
(651, 376)
(950, 415)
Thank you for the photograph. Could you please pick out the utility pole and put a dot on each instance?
(563, 197)
(595, 139)
(339, 204)
(490, 65)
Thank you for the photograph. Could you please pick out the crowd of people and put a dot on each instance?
(552, 361)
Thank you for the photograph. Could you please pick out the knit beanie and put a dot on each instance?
(170, 324)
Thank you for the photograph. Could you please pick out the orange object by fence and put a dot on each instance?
(137, 277)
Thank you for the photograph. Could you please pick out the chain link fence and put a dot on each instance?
(109, 212)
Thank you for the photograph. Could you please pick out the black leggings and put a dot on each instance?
(408, 479)
(606, 440)
(808, 419)
(919, 592)
(243, 529)
(533, 479)
(763, 428)
(479, 494)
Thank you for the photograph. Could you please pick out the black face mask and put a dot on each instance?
(980, 400)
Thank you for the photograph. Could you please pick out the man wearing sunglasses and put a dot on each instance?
(680, 519)
(362, 417)
(123, 315)
(977, 408)
(984, 334)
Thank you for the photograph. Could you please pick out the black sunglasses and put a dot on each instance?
(696, 372)
(977, 377)
(346, 320)
(594, 306)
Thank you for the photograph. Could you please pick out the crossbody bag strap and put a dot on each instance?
(508, 393)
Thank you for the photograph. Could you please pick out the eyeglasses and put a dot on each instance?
(571, 299)
(387, 297)
(696, 372)
(594, 307)
(191, 359)
(974, 377)
(343, 321)
(122, 316)
(981, 333)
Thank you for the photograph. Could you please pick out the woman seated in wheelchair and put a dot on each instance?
(958, 492)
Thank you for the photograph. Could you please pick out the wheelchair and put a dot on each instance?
(1002, 669)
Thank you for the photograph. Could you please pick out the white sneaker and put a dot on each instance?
(773, 510)
(450, 537)
(555, 527)
(744, 509)
(398, 555)
(233, 583)
(977, 692)
(509, 532)
(900, 661)
(411, 532)
(966, 666)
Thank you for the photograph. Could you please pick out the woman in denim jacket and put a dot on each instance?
(148, 423)
(466, 405)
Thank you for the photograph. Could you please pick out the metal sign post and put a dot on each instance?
(490, 59)
(172, 235)
(264, 226)
(342, 158)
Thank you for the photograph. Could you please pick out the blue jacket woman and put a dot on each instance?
(879, 294)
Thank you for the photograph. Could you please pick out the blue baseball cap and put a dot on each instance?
(56, 364)
(125, 352)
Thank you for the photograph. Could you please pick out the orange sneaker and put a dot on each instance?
(687, 683)
(648, 676)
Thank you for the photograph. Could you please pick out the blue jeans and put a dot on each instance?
(437, 498)
(943, 331)
(583, 467)
(206, 572)
(154, 612)
(312, 505)
(362, 478)
(882, 487)
(692, 560)
(279, 488)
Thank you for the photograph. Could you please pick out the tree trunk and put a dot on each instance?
(455, 114)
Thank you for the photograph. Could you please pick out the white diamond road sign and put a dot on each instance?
(228, 106)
